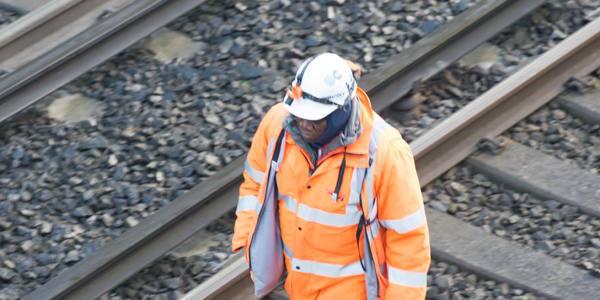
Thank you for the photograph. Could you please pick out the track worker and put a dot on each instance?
(331, 195)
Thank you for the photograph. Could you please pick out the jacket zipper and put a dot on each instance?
(310, 169)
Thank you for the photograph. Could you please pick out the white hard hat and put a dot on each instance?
(323, 83)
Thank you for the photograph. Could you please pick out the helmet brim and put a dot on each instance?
(308, 109)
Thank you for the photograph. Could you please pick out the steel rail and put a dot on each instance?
(438, 50)
(34, 19)
(49, 26)
(236, 269)
(513, 99)
(110, 36)
(63, 64)
(137, 247)
(494, 112)
(159, 233)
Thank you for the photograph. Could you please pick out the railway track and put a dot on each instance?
(159, 233)
(47, 26)
(78, 51)
(456, 138)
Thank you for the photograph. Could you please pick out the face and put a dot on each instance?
(311, 130)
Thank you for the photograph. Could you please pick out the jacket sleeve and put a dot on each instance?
(402, 213)
(255, 167)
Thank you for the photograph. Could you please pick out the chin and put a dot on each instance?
(308, 139)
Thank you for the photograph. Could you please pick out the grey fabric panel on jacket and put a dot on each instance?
(266, 249)
(370, 273)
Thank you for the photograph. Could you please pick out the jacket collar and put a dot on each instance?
(361, 145)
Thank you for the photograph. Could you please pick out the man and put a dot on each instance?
(331, 195)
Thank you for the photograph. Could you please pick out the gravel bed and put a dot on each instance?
(164, 128)
(174, 275)
(547, 226)
(555, 132)
(458, 85)
(7, 17)
(247, 50)
(447, 282)
(366, 32)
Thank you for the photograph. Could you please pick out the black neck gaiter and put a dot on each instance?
(336, 121)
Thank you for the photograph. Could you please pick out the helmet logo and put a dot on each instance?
(329, 80)
(337, 74)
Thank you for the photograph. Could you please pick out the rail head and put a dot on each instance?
(25, 77)
(235, 269)
(573, 56)
(34, 19)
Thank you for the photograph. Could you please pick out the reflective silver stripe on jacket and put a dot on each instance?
(406, 224)
(406, 278)
(320, 268)
(255, 174)
(290, 202)
(258, 207)
(378, 126)
(325, 269)
(371, 280)
(247, 203)
(288, 251)
(358, 176)
(369, 181)
(269, 149)
(375, 228)
(351, 217)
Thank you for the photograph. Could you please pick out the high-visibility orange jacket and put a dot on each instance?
(287, 216)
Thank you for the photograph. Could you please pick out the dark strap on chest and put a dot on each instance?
(278, 146)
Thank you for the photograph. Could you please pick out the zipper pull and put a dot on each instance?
(334, 197)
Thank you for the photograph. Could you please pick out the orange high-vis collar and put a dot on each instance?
(295, 92)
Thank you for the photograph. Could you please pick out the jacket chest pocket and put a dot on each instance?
(334, 222)
(327, 238)
(329, 228)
